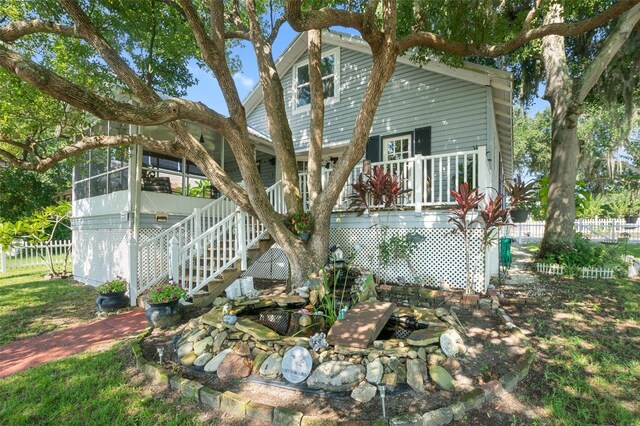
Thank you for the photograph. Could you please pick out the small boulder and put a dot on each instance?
(242, 349)
(234, 366)
(271, 367)
(364, 392)
(185, 349)
(218, 341)
(415, 373)
(425, 337)
(336, 376)
(200, 347)
(188, 359)
(441, 377)
(212, 366)
(203, 359)
(375, 370)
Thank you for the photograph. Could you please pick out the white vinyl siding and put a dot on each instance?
(456, 110)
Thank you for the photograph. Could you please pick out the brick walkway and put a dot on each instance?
(20, 355)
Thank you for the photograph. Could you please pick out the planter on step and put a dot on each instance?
(304, 236)
(110, 302)
(164, 315)
(631, 218)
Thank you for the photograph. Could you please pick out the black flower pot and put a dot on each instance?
(110, 302)
(519, 215)
(631, 218)
(164, 315)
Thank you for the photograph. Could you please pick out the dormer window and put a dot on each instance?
(329, 70)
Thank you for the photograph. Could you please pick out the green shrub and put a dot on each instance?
(116, 285)
(585, 254)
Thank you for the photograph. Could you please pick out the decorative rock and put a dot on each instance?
(439, 417)
(286, 417)
(203, 359)
(336, 376)
(284, 300)
(364, 392)
(451, 343)
(258, 359)
(415, 371)
(374, 372)
(242, 349)
(200, 347)
(441, 377)
(212, 366)
(271, 367)
(422, 354)
(234, 366)
(406, 420)
(378, 344)
(185, 349)
(434, 359)
(188, 359)
(394, 363)
(390, 380)
(402, 374)
(373, 355)
(425, 337)
(452, 365)
(213, 317)
(412, 354)
(197, 335)
(257, 331)
(218, 341)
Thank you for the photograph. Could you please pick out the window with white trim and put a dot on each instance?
(329, 66)
(396, 147)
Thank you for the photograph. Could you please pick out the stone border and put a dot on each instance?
(241, 407)
(422, 297)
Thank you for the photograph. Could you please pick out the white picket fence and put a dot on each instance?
(603, 230)
(30, 255)
(593, 273)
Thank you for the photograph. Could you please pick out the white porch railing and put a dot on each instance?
(430, 178)
(30, 255)
(207, 256)
(153, 258)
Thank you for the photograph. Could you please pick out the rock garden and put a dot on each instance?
(397, 351)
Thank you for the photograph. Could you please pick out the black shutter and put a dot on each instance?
(423, 141)
(373, 153)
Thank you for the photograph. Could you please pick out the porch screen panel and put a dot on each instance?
(373, 153)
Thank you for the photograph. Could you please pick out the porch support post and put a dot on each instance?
(418, 180)
(241, 243)
(174, 259)
(135, 176)
(483, 171)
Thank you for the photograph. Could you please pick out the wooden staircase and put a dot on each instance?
(224, 280)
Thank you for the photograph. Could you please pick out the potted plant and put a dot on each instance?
(633, 208)
(301, 224)
(164, 310)
(112, 295)
(520, 194)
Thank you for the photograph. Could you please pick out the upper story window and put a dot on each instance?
(329, 68)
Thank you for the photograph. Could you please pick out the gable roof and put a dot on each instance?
(501, 83)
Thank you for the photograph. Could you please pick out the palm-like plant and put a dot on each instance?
(380, 189)
(520, 192)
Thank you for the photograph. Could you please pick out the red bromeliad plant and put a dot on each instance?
(490, 217)
(380, 189)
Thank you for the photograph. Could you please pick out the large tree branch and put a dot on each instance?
(17, 29)
(322, 18)
(612, 45)
(314, 177)
(437, 42)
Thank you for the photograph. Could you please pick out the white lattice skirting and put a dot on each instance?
(438, 261)
(100, 255)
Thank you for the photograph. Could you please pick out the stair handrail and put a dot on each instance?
(154, 250)
(246, 230)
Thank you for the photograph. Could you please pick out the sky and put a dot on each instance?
(208, 92)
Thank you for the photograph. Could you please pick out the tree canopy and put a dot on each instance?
(87, 54)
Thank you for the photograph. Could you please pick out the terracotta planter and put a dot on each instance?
(110, 302)
(164, 315)
(519, 215)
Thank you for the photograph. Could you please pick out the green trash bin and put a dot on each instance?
(505, 253)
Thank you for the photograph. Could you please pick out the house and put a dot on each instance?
(435, 127)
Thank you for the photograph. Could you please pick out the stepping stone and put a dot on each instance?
(425, 337)
(257, 331)
(362, 324)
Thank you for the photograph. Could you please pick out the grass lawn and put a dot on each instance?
(30, 305)
(93, 388)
